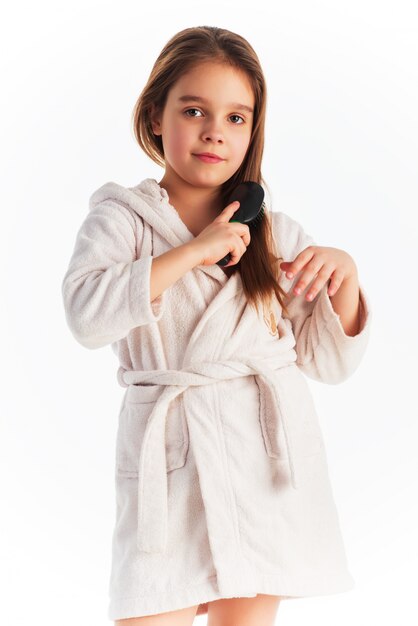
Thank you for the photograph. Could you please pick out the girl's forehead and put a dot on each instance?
(211, 69)
(203, 83)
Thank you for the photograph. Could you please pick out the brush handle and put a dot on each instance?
(224, 261)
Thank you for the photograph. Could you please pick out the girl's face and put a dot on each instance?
(215, 119)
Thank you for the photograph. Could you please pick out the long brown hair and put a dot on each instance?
(259, 265)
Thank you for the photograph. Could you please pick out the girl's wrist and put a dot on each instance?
(195, 252)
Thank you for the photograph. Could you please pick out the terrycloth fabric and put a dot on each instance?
(221, 477)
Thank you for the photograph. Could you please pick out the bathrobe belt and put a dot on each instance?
(152, 470)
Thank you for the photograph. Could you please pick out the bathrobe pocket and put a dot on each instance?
(294, 411)
(136, 409)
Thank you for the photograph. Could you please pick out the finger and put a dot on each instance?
(228, 212)
(335, 283)
(321, 280)
(243, 246)
(240, 249)
(286, 266)
(242, 231)
(235, 257)
(310, 271)
(294, 267)
(244, 234)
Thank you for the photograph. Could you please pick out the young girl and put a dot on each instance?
(224, 503)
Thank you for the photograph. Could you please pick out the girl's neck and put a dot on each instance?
(195, 207)
(189, 198)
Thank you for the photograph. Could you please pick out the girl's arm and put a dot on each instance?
(108, 291)
(325, 351)
(105, 289)
(169, 267)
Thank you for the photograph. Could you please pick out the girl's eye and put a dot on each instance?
(191, 110)
(234, 115)
(243, 121)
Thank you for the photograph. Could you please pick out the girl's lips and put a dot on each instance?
(208, 159)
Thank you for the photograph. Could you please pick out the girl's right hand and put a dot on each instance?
(221, 237)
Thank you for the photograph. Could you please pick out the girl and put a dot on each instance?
(223, 499)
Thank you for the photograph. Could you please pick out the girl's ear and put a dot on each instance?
(155, 119)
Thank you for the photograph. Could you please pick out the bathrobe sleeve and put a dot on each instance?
(324, 352)
(106, 289)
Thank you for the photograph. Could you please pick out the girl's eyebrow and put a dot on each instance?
(233, 105)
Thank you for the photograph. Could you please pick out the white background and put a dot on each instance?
(340, 157)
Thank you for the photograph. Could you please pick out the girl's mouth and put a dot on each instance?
(208, 159)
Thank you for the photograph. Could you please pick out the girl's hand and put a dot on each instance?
(325, 263)
(222, 236)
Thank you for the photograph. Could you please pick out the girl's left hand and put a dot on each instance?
(330, 264)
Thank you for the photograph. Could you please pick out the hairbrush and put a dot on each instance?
(251, 209)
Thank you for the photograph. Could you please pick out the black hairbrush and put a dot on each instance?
(251, 209)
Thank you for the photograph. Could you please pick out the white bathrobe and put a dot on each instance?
(221, 479)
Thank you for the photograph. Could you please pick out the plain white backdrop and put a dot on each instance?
(340, 157)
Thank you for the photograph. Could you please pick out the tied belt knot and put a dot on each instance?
(152, 472)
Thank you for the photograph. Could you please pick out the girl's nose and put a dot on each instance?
(212, 132)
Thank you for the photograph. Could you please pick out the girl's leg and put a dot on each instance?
(181, 617)
(258, 611)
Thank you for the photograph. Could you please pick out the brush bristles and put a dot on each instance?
(257, 220)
